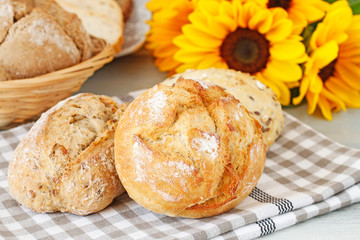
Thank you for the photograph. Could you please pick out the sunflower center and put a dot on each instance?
(245, 50)
(327, 71)
(285, 4)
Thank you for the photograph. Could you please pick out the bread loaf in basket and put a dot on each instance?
(46, 54)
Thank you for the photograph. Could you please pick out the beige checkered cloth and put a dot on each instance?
(305, 175)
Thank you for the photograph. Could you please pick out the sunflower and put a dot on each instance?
(332, 73)
(244, 37)
(301, 12)
(167, 20)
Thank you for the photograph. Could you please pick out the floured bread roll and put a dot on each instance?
(28, 38)
(260, 100)
(66, 162)
(188, 150)
(71, 25)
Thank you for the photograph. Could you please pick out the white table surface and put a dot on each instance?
(137, 71)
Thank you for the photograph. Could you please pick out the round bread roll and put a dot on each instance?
(188, 150)
(36, 45)
(66, 161)
(71, 25)
(260, 100)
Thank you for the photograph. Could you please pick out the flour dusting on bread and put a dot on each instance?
(42, 32)
(207, 143)
(156, 104)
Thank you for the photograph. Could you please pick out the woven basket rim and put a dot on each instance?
(48, 77)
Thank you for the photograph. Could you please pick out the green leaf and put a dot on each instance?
(307, 33)
(355, 6)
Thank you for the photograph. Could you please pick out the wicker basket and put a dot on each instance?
(24, 99)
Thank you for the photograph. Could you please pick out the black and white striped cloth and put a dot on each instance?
(305, 175)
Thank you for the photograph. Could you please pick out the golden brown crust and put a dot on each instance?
(4, 75)
(66, 161)
(126, 7)
(188, 150)
(21, 8)
(260, 100)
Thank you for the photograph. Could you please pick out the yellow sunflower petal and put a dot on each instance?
(166, 64)
(311, 12)
(185, 66)
(287, 49)
(351, 53)
(189, 56)
(278, 13)
(325, 108)
(325, 54)
(304, 86)
(338, 10)
(155, 5)
(344, 93)
(183, 42)
(210, 60)
(312, 100)
(316, 85)
(350, 96)
(199, 37)
(291, 85)
(208, 8)
(299, 21)
(245, 13)
(350, 73)
(283, 71)
(325, 33)
(221, 64)
(280, 89)
(226, 9)
(280, 30)
(261, 21)
(228, 23)
(201, 22)
(167, 50)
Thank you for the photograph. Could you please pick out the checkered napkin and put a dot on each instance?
(305, 175)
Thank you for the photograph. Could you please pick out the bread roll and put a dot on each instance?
(4, 75)
(36, 45)
(260, 100)
(101, 18)
(21, 8)
(188, 150)
(71, 25)
(6, 18)
(66, 162)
